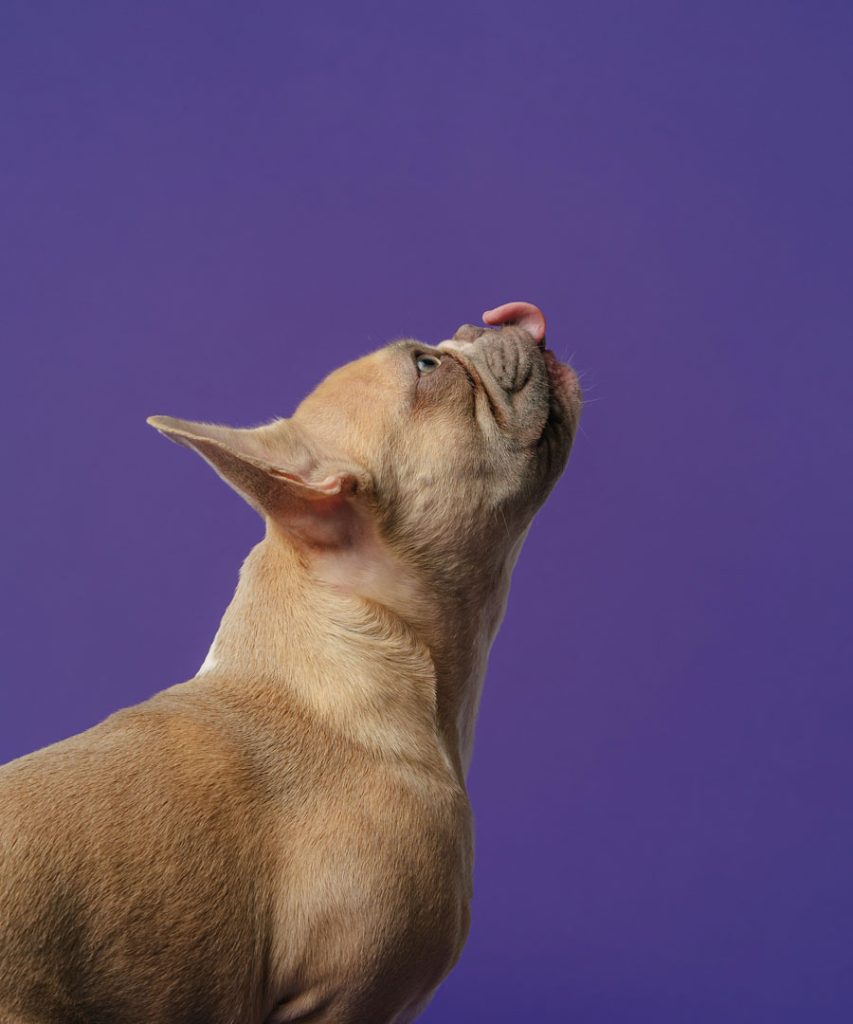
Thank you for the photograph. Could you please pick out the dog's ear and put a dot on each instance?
(273, 467)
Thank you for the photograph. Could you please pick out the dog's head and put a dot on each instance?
(440, 455)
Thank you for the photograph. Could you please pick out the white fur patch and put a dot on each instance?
(210, 661)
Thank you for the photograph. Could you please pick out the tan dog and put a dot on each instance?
(287, 836)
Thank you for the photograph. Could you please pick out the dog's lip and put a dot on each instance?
(566, 400)
(561, 376)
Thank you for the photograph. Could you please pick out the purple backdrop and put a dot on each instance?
(207, 206)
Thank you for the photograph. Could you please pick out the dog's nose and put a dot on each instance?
(522, 314)
(468, 333)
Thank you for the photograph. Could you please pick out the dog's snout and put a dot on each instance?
(508, 351)
(510, 359)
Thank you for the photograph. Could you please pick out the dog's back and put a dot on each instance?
(127, 867)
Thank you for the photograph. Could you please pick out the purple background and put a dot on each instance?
(207, 206)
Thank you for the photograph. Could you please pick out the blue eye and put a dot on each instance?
(426, 364)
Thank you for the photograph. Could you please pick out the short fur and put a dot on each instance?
(287, 835)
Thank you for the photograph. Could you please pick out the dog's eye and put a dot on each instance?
(426, 364)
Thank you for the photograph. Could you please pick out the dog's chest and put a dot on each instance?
(375, 883)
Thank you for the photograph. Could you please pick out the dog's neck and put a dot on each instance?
(371, 651)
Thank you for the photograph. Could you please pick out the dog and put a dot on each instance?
(287, 836)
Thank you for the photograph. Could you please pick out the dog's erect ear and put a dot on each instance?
(274, 469)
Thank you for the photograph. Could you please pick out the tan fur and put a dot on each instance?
(287, 835)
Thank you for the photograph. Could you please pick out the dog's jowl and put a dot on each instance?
(287, 835)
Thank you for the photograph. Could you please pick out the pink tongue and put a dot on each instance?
(524, 314)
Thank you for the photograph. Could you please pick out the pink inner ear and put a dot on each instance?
(524, 314)
(331, 485)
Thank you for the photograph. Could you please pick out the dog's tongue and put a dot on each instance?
(524, 314)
